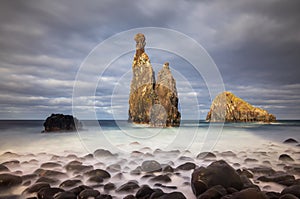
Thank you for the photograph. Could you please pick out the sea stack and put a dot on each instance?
(151, 102)
(227, 107)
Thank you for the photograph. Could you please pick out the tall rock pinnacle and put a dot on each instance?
(150, 102)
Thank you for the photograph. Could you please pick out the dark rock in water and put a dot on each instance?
(3, 168)
(114, 168)
(50, 165)
(95, 179)
(249, 193)
(50, 173)
(128, 187)
(102, 153)
(294, 189)
(262, 170)
(187, 166)
(250, 160)
(290, 140)
(69, 183)
(206, 155)
(273, 195)
(151, 102)
(156, 194)
(79, 189)
(129, 197)
(228, 154)
(8, 181)
(278, 177)
(98, 172)
(185, 158)
(61, 123)
(51, 181)
(214, 192)
(109, 186)
(36, 187)
(11, 163)
(161, 178)
(88, 193)
(245, 172)
(65, 195)
(104, 196)
(144, 192)
(48, 193)
(285, 157)
(167, 168)
(173, 195)
(78, 168)
(226, 107)
(247, 183)
(10, 197)
(217, 173)
(136, 171)
(151, 166)
(288, 196)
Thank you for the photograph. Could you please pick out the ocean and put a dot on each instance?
(262, 142)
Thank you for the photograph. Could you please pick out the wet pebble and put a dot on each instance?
(161, 178)
(65, 195)
(290, 140)
(50, 165)
(88, 193)
(187, 166)
(294, 189)
(3, 168)
(36, 187)
(70, 183)
(285, 157)
(98, 172)
(8, 180)
(151, 166)
(48, 193)
(128, 187)
(109, 186)
(206, 155)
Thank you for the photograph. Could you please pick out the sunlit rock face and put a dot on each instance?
(150, 102)
(226, 107)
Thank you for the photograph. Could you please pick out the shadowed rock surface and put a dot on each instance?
(226, 107)
(151, 102)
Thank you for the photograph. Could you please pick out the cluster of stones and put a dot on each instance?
(88, 176)
(226, 107)
(152, 102)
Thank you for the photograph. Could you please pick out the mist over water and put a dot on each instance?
(137, 143)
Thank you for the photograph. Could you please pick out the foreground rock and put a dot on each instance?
(61, 123)
(226, 107)
(152, 102)
(217, 173)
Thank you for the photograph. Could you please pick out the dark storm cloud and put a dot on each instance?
(255, 44)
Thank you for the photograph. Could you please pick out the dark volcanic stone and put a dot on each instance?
(102, 153)
(167, 168)
(161, 178)
(187, 166)
(277, 177)
(50, 173)
(215, 192)
(88, 193)
(290, 140)
(60, 122)
(98, 172)
(129, 186)
(50, 165)
(48, 193)
(144, 192)
(48, 180)
(151, 166)
(250, 193)
(217, 173)
(104, 196)
(70, 183)
(294, 189)
(288, 196)
(3, 168)
(250, 160)
(36, 187)
(11, 197)
(245, 172)
(109, 186)
(228, 154)
(79, 189)
(9, 180)
(273, 195)
(77, 167)
(95, 179)
(129, 197)
(206, 155)
(285, 157)
(173, 195)
(65, 195)
(262, 170)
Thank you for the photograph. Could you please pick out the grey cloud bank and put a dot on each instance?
(255, 44)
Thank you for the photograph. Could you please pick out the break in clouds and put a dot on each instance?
(255, 44)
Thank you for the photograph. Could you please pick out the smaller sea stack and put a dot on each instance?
(61, 123)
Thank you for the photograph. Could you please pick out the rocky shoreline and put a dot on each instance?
(141, 174)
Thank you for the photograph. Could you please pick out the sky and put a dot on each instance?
(255, 45)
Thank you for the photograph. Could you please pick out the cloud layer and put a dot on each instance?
(255, 44)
